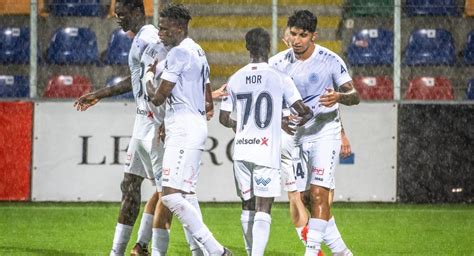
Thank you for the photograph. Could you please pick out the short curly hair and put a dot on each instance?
(303, 19)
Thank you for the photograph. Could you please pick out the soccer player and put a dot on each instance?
(185, 89)
(291, 165)
(144, 154)
(316, 71)
(257, 92)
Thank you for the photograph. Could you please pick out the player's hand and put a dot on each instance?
(346, 150)
(330, 98)
(221, 92)
(286, 126)
(152, 67)
(303, 119)
(86, 101)
(161, 134)
(209, 113)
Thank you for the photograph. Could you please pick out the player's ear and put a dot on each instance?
(314, 37)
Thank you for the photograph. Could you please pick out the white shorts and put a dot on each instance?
(293, 171)
(321, 158)
(145, 158)
(256, 180)
(181, 168)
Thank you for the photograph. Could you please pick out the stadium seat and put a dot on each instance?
(430, 47)
(371, 47)
(431, 8)
(113, 81)
(470, 89)
(75, 8)
(61, 86)
(469, 49)
(374, 88)
(469, 8)
(14, 45)
(73, 45)
(429, 88)
(14, 87)
(118, 48)
(370, 7)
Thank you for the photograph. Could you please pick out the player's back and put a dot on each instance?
(257, 90)
(186, 66)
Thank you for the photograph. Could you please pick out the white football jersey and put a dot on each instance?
(257, 92)
(149, 117)
(185, 120)
(321, 71)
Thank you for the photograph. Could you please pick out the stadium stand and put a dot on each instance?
(430, 47)
(431, 8)
(469, 8)
(469, 49)
(72, 45)
(62, 86)
(14, 87)
(470, 89)
(374, 88)
(118, 48)
(14, 45)
(371, 47)
(429, 88)
(75, 8)
(113, 81)
(369, 8)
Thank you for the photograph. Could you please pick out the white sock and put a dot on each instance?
(187, 215)
(247, 219)
(332, 238)
(197, 249)
(145, 230)
(161, 239)
(298, 231)
(260, 233)
(121, 238)
(317, 227)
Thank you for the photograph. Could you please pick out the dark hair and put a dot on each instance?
(257, 42)
(303, 19)
(178, 12)
(133, 4)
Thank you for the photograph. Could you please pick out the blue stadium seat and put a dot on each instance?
(430, 47)
(14, 87)
(76, 8)
(371, 47)
(113, 81)
(14, 45)
(470, 89)
(118, 48)
(73, 46)
(431, 8)
(469, 49)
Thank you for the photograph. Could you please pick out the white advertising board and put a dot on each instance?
(78, 156)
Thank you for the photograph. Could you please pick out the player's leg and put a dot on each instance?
(266, 186)
(322, 157)
(197, 249)
(161, 229)
(180, 170)
(145, 229)
(243, 185)
(332, 237)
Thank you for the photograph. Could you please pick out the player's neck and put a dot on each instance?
(306, 54)
(258, 59)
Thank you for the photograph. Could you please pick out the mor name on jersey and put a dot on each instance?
(255, 79)
(254, 141)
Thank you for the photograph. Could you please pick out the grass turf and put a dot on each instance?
(368, 229)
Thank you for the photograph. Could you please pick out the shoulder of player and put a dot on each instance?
(326, 55)
(281, 56)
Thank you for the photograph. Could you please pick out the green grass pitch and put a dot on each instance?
(368, 229)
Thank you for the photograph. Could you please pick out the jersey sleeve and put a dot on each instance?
(290, 92)
(227, 103)
(340, 73)
(176, 62)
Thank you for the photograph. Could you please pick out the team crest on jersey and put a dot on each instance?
(313, 78)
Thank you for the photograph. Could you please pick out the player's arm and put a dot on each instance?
(225, 120)
(90, 99)
(345, 144)
(162, 93)
(304, 113)
(219, 93)
(209, 102)
(347, 95)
